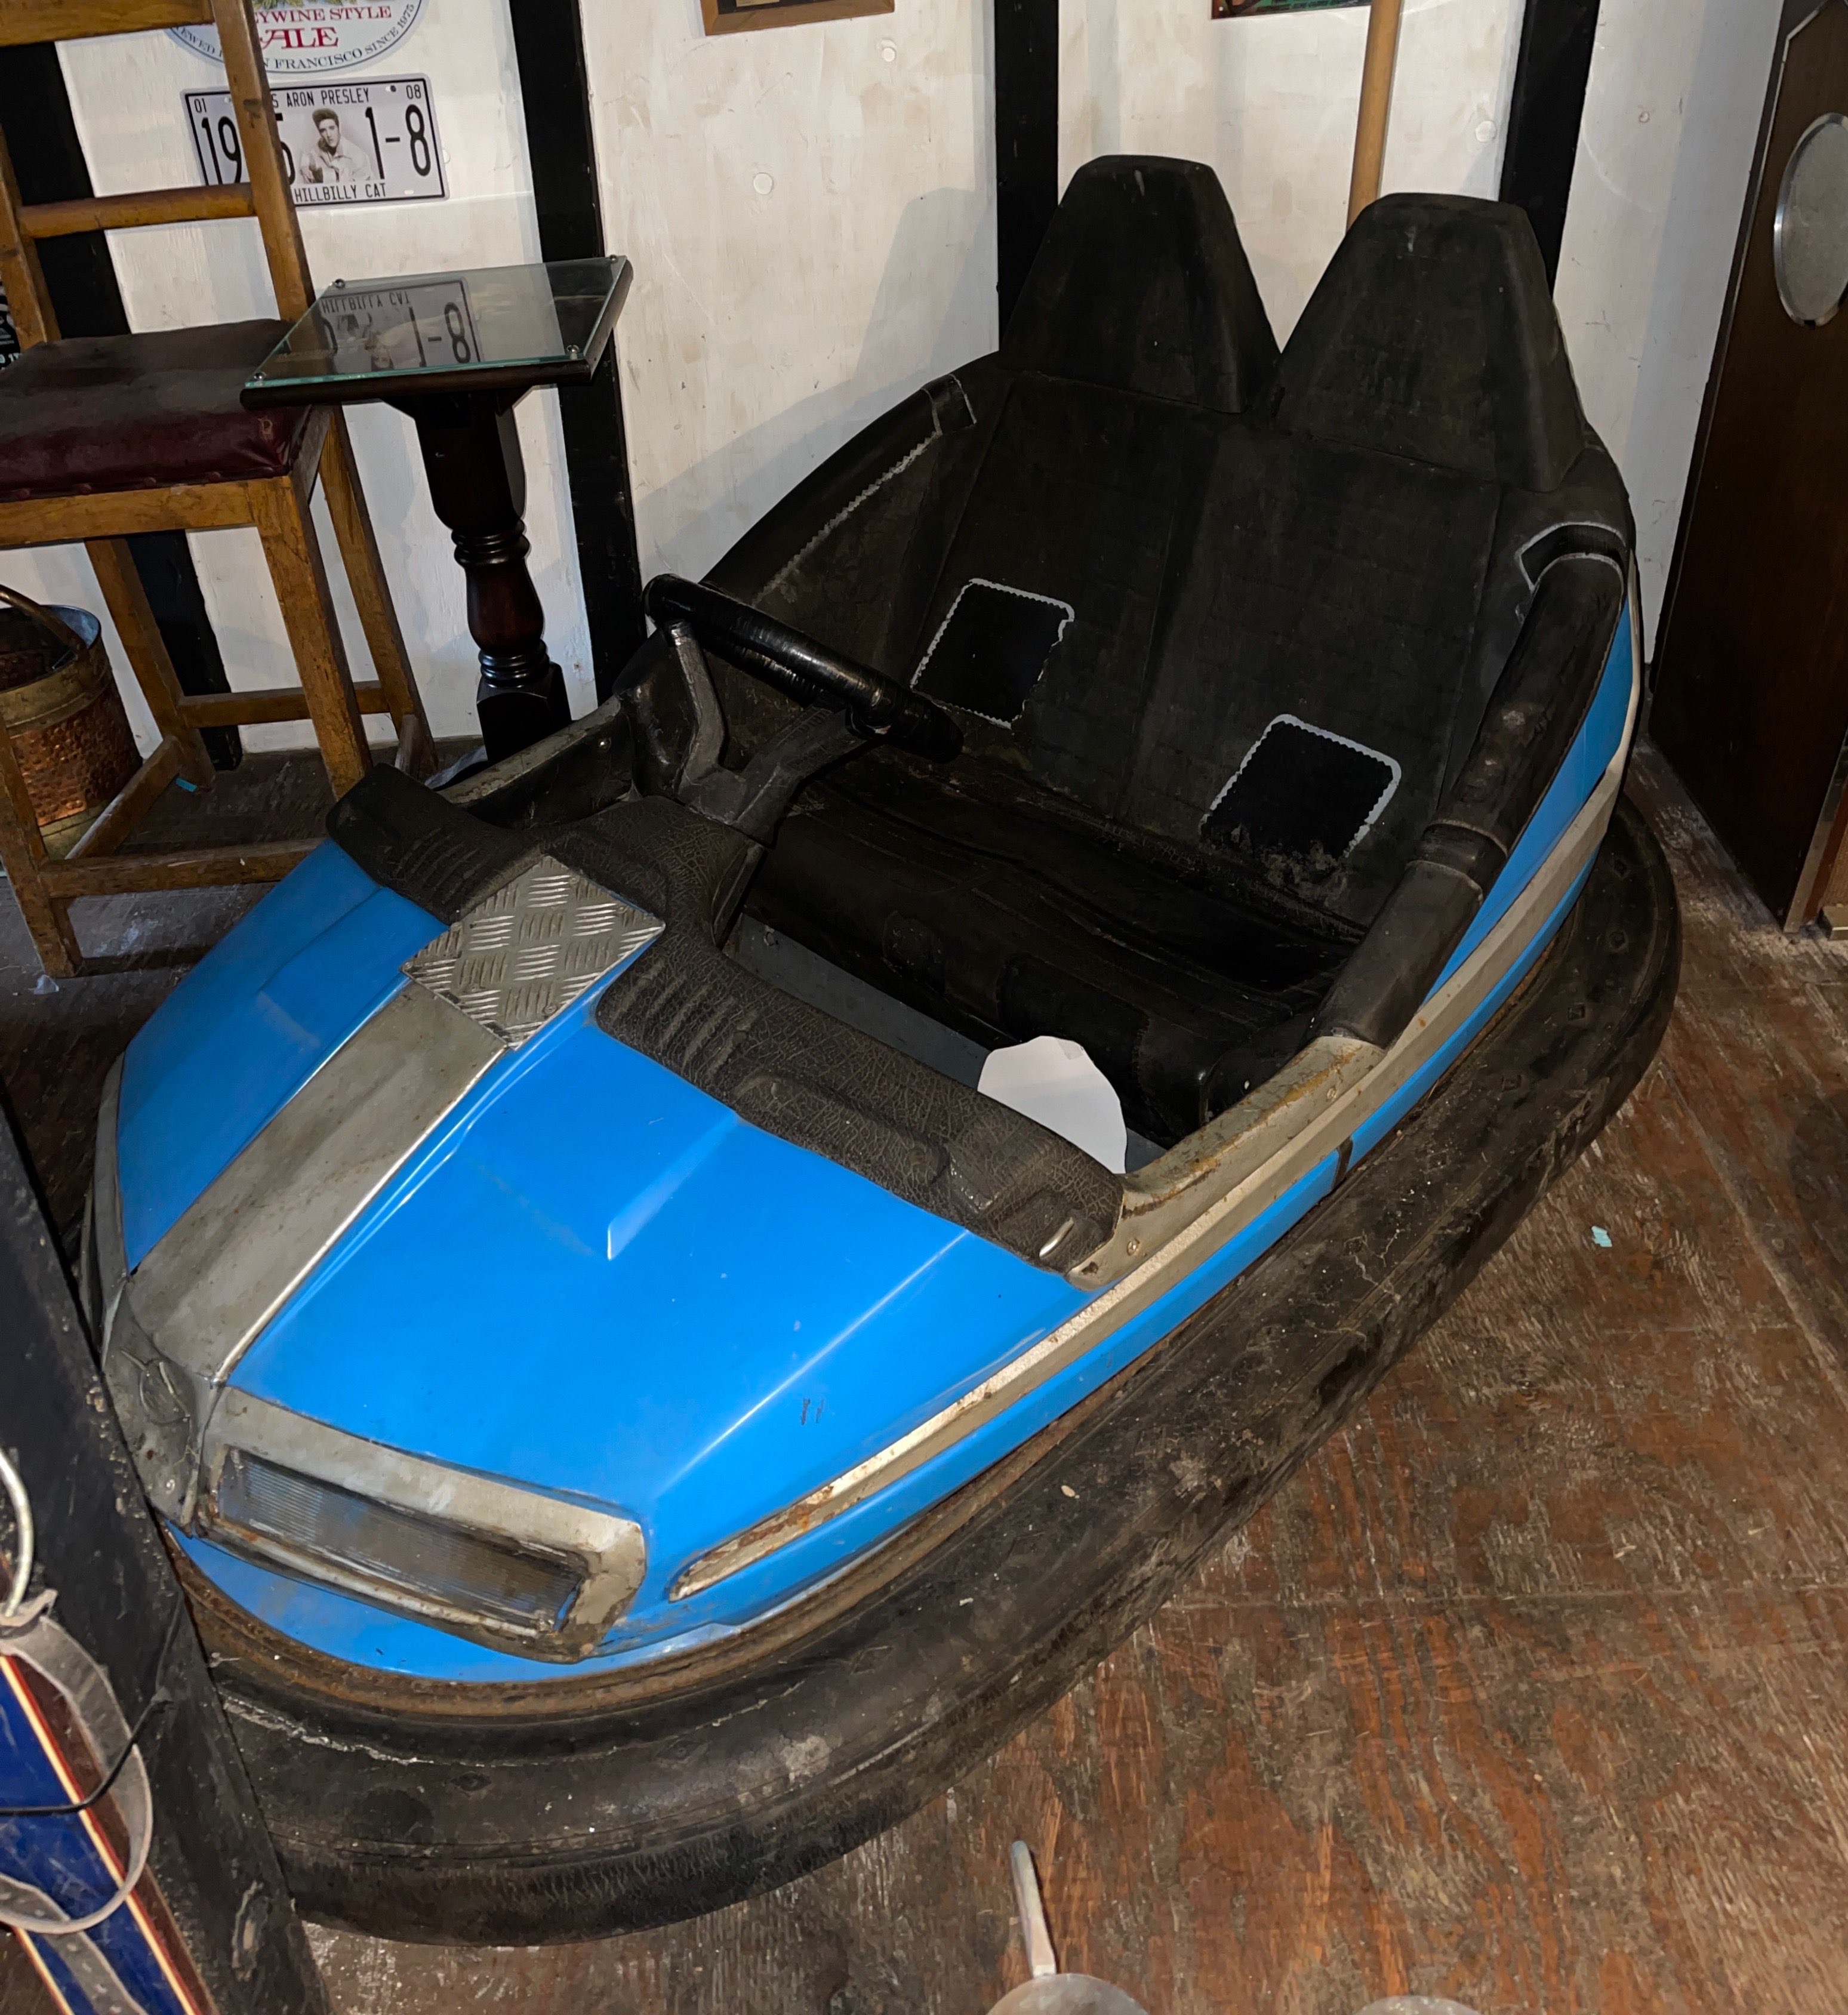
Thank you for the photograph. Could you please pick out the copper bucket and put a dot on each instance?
(60, 709)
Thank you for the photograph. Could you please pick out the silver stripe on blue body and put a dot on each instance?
(174, 1331)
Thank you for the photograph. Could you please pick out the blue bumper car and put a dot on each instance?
(643, 1394)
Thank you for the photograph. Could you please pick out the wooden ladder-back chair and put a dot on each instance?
(105, 437)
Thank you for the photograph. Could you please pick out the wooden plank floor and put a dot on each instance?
(1531, 1689)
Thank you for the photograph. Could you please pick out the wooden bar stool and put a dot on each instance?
(100, 437)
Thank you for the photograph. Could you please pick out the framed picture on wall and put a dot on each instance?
(1237, 10)
(727, 17)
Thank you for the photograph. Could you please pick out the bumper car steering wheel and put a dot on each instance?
(876, 708)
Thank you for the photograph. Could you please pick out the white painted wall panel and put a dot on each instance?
(811, 214)
(1671, 119)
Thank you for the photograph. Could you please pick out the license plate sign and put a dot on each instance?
(370, 142)
(427, 326)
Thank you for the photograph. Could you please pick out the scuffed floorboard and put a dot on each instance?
(1531, 1689)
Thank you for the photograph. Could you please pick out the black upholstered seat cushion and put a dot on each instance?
(98, 414)
(1220, 573)
(1004, 918)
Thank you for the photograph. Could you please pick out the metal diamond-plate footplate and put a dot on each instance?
(531, 948)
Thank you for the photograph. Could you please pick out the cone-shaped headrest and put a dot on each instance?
(1432, 335)
(1142, 285)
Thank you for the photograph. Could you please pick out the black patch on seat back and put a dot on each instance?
(1301, 793)
(988, 656)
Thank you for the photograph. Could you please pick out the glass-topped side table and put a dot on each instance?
(456, 352)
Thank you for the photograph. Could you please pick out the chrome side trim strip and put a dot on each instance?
(108, 1263)
(1166, 1201)
(605, 1550)
(158, 1405)
(249, 1239)
(244, 1245)
(1265, 1145)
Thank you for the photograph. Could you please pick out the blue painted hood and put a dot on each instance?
(593, 1278)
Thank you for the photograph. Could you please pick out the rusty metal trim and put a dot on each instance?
(602, 1548)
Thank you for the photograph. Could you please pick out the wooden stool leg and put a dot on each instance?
(365, 573)
(22, 851)
(127, 602)
(281, 516)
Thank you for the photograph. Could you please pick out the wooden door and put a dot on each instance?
(1752, 700)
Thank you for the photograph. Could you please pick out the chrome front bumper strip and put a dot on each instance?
(171, 1334)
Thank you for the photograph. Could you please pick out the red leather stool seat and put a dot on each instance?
(96, 414)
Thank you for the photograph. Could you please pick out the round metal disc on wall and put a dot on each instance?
(1810, 230)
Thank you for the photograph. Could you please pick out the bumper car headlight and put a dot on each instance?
(347, 1536)
(543, 1576)
(526, 1571)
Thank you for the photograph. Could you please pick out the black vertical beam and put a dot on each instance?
(212, 1860)
(1545, 113)
(1026, 139)
(48, 160)
(555, 89)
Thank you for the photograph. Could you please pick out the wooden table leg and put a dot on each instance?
(477, 480)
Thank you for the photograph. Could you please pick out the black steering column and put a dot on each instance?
(878, 708)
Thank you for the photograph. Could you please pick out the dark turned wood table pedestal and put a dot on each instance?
(477, 482)
(456, 352)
